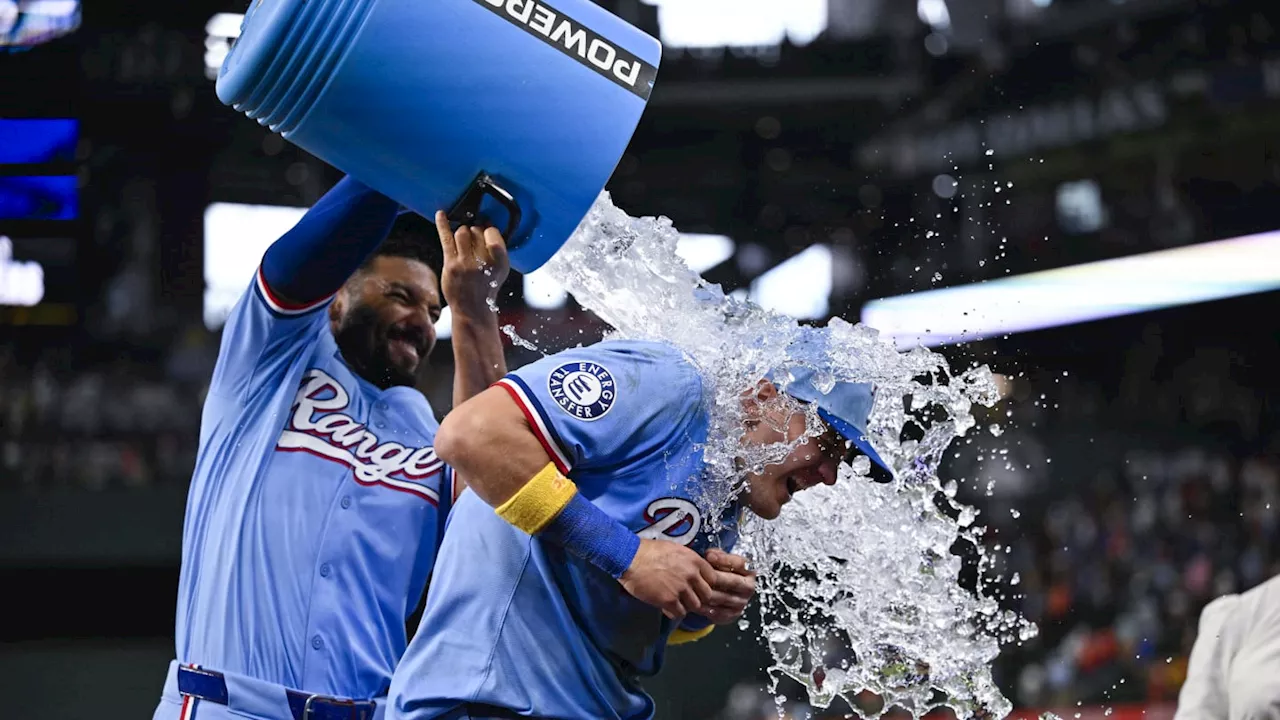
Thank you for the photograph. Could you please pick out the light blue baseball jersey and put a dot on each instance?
(516, 622)
(315, 510)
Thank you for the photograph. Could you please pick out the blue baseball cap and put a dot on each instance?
(845, 408)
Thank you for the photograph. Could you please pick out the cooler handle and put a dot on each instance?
(467, 209)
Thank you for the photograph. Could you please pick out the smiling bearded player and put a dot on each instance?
(557, 604)
(317, 501)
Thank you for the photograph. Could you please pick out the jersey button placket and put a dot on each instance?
(317, 642)
(325, 570)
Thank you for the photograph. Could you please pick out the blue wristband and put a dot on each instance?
(588, 532)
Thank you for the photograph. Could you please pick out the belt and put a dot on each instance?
(210, 686)
(480, 711)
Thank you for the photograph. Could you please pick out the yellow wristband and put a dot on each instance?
(680, 637)
(539, 501)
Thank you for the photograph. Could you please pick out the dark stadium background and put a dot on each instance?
(1145, 447)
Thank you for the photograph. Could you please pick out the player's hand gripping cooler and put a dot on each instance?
(516, 111)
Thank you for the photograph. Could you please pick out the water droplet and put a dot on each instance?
(510, 332)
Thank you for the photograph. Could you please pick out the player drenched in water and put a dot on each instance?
(555, 605)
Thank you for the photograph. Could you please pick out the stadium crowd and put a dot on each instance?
(92, 418)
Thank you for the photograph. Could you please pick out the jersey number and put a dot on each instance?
(674, 519)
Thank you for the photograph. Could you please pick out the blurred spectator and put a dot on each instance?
(1118, 610)
(93, 422)
(1234, 669)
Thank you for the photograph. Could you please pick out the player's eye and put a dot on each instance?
(401, 296)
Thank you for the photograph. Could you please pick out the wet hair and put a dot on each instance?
(413, 237)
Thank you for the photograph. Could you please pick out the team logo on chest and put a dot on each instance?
(585, 390)
(317, 427)
(671, 518)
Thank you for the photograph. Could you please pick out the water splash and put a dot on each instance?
(858, 588)
(514, 337)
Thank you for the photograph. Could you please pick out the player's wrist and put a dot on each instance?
(469, 316)
(585, 530)
(550, 507)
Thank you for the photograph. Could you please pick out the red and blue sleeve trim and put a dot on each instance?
(538, 421)
(279, 305)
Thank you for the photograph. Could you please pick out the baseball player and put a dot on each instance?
(317, 502)
(558, 603)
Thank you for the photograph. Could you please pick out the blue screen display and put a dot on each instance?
(52, 197)
(38, 140)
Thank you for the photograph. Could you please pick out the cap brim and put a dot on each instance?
(855, 436)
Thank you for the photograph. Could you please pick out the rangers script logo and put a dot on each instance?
(585, 390)
(318, 428)
(674, 519)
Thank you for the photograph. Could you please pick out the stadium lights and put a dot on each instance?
(738, 23)
(800, 287)
(221, 30)
(700, 251)
(934, 13)
(235, 238)
(27, 23)
(1080, 293)
(21, 282)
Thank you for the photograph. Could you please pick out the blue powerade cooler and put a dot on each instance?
(514, 111)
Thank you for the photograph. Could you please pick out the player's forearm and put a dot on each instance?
(478, 357)
(314, 259)
(478, 362)
(487, 441)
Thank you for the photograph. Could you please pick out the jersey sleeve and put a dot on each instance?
(603, 405)
(263, 334)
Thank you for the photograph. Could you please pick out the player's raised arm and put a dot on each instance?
(475, 267)
(503, 451)
(308, 264)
